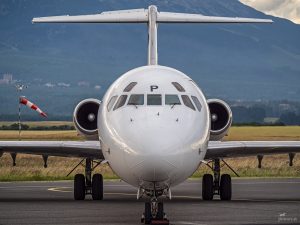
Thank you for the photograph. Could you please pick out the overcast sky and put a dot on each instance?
(289, 9)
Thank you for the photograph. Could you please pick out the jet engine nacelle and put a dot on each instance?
(85, 118)
(220, 117)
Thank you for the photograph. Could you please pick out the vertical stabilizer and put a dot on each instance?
(152, 35)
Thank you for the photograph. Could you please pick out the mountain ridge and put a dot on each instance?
(228, 61)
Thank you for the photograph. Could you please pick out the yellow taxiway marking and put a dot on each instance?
(63, 190)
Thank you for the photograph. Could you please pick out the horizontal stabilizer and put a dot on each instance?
(142, 16)
(121, 16)
(166, 17)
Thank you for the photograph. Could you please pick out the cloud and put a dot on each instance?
(289, 9)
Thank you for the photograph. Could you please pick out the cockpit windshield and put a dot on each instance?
(172, 100)
(154, 99)
(197, 103)
(130, 86)
(121, 101)
(111, 102)
(187, 101)
(178, 87)
(136, 99)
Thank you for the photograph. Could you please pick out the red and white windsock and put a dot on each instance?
(29, 104)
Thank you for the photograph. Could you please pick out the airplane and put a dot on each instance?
(154, 126)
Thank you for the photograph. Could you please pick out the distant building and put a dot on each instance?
(64, 85)
(7, 79)
(49, 85)
(83, 84)
(97, 87)
(287, 107)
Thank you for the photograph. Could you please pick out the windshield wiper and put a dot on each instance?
(133, 105)
(176, 103)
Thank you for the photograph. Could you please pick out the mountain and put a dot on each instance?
(244, 62)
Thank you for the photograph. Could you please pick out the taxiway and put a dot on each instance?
(255, 201)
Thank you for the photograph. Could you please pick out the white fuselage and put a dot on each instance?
(153, 143)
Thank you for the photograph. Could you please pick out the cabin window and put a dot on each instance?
(178, 87)
(111, 102)
(153, 99)
(130, 86)
(172, 100)
(197, 103)
(187, 102)
(121, 101)
(136, 100)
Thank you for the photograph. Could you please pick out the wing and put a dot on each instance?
(231, 149)
(81, 149)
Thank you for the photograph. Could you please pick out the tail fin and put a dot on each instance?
(150, 16)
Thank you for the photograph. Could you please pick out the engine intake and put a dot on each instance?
(221, 118)
(85, 118)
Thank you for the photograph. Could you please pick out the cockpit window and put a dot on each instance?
(172, 100)
(153, 99)
(178, 87)
(187, 101)
(130, 86)
(121, 101)
(136, 100)
(111, 102)
(197, 103)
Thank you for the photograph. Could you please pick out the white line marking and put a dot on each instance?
(57, 189)
(16, 187)
(248, 183)
(188, 223)
(269, 182)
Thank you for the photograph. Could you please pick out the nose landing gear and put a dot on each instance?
(154, 213)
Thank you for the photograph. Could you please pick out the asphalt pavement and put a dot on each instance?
(255, 201)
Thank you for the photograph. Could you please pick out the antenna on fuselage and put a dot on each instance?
(151, 16)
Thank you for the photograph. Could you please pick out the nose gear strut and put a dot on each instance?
(154, 210)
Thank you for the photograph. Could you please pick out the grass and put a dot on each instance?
(31, 167)
(39, 123)
(281, 133)
(40, 135)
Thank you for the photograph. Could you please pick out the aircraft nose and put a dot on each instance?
(157, 152)
(157, 144)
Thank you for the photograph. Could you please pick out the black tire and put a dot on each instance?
(207, 187)
(79, 187)
(160, 212)
(97, 187)
(225, 187)
(148, 215)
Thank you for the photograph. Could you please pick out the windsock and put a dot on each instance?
(29, 104)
